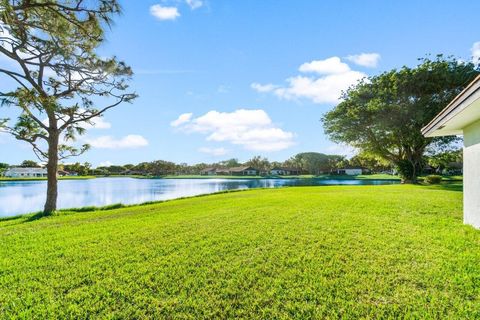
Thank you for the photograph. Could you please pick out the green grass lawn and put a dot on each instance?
(377, 176)
(304, 176)
(308, 252)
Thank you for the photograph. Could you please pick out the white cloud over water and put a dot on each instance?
(251, 129)
(108, 142)
(217, 152)
(183, 118)
(369, 60)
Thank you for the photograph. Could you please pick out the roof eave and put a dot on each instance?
(453, 108)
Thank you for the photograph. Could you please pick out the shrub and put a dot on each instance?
(433, 179)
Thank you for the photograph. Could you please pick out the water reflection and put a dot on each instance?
(17, 197)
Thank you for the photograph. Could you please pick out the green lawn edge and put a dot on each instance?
(323, 177)
(395, 251)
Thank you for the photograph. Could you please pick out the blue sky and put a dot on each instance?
(223, 79)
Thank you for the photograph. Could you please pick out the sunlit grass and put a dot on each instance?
(306, 252)
(304, 176)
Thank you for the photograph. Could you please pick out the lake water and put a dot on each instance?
(19, 197)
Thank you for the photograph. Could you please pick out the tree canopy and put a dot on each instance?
(58, 82)
(383, 115)
(29, 164)
(314, 162)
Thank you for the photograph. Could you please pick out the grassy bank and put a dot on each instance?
(364, 251)
(377, 176)
(305, 176)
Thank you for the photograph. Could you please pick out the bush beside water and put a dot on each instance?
(433, 179)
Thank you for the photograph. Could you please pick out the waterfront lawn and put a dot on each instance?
(307, 252)
(376, 176)
(304, 176)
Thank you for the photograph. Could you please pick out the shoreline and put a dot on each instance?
(383, 177)
(67, 211)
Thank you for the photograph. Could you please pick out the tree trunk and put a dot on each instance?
(408, 171)
(52, 166)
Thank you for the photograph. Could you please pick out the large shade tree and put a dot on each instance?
(314, 162)
(383, 115)
(58, 82)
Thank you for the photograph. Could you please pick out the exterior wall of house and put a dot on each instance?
(471, 174)
(277, 172)
(353, 172)
(25, 173)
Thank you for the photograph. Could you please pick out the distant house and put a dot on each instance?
(350, 171)
(462, 117)
(63, 173)
(130, 172)
(243, 171)
(455, 168)
(18, 172)
(284, 171)
(222, 172)
(208, 172)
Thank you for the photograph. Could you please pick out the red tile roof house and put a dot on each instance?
(462, 117)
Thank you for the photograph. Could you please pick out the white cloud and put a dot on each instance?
(194, 4)
(369, 60)
(251, 129)
(476, 52)
(214, 151)
(7, 41)
(328, 66)
(96, 123)
(183, 118)
(325, 89)
(342, 150)
(105, 164)
(263, 87)
(108, 142)
(164, 13)
(4, 137)
(334, 76)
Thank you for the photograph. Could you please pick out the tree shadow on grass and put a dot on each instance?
(24, 217)
(448, 186)
(36, 216)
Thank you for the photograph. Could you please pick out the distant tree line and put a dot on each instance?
(446, 161)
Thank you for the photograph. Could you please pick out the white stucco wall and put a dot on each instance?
(471, 174)
(353, 172)
(25, 172)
